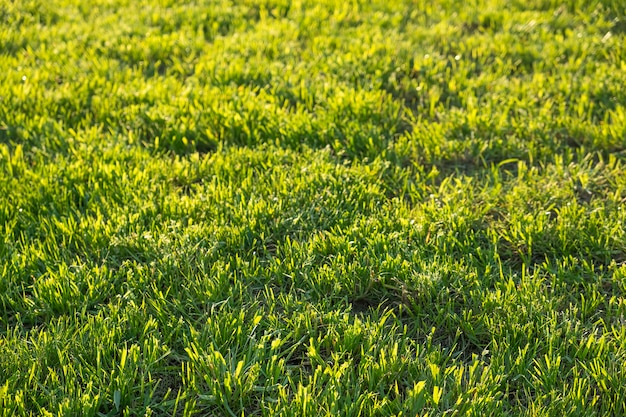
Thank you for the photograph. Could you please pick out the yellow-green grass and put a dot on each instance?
(312, 208)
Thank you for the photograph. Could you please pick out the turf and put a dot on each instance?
(313, 208)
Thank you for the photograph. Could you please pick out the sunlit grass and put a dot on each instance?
(298, 208)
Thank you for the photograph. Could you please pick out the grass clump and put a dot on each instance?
(312, 208)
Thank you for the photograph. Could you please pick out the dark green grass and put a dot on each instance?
(312, 208)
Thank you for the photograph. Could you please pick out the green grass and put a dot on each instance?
(313, 208)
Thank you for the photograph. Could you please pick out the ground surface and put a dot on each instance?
(309, 208)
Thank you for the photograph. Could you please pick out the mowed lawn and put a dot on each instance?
(312, 208)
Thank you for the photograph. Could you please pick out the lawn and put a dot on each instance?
(313, 208)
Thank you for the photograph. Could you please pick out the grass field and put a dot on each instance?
(313, 208)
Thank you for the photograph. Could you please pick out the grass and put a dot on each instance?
(292, 208)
